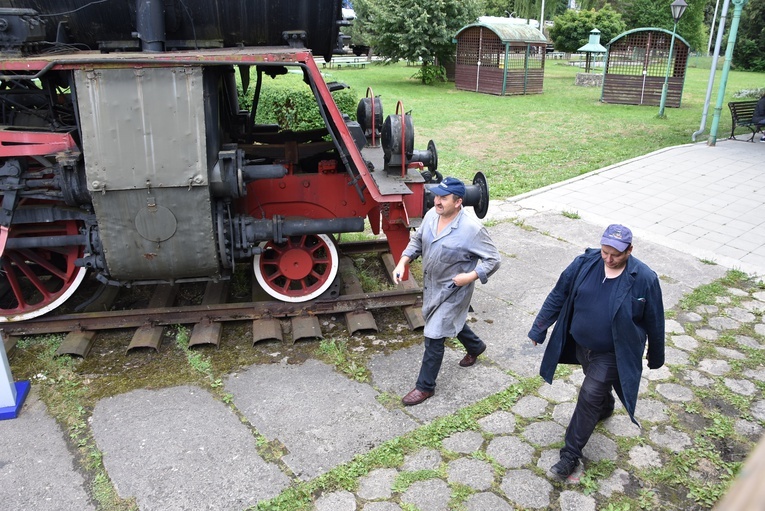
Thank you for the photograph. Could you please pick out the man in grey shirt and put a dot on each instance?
(456, 251)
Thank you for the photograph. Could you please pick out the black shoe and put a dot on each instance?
(565, 467)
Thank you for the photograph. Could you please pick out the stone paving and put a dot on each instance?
(503, 464)
(290, 420)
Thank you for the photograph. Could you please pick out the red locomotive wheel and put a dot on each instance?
(34, 281)
(298, 270)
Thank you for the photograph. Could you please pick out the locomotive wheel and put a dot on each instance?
(37, 280)
(298, 270)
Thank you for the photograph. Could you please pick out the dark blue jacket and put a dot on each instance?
(759, 112)
(637, 315)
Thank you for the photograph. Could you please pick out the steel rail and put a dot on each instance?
(363, 247)
(164, 316)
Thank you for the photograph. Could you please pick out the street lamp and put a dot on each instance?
(678, 8)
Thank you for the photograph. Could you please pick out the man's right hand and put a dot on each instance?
(398, 272)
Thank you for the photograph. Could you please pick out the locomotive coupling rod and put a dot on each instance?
(165, 316)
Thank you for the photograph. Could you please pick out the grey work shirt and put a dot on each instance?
(463, 246)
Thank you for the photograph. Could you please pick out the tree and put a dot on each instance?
(529, 9)
(749, 51)
(501, 8)
(656, 13)
(415, 30)
(572, 29)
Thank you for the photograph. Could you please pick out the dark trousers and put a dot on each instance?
(434, 355)
(595, 398)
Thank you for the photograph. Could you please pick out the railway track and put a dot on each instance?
(271, 320)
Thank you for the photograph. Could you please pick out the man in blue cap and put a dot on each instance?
(605, 306)
(456, 251)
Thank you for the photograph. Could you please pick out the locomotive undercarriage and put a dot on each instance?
(147, 172)
(138, 164)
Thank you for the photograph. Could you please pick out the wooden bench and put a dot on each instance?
(741, 113)
(346, 61)
(362, 65)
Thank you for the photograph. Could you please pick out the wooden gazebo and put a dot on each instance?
(500, 56)
(636, 66)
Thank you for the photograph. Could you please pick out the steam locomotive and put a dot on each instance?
(125, 153)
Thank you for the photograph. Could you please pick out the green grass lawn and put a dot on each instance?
(525, 142)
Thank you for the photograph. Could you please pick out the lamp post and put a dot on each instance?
(678, 8)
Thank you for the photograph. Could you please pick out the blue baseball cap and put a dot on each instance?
(450, 185)
(617, 236)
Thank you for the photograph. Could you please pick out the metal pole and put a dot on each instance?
(712, 26)
(712, 69)
(666, 75)
(542, 18)
(738, 5)
(504, 74)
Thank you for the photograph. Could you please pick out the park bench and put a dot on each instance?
(346, 61)
(741, 113)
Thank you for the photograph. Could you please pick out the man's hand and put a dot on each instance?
(398, 272)
(463, 279)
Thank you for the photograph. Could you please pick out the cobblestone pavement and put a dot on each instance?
(293, 424)
(503, 463)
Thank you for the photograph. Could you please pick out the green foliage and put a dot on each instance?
(656, 13)
(414, 30)
(496, 7)
(509, 137)
(749, 51)
(338, 354)
(524, 8)
(648, 13)
(406, 479)
(617, 506)
(430, 74)
(573, 215)
(703, 295)
(196, 360)
(290, 103)
(572, 29)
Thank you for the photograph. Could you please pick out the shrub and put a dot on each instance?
(290, 103)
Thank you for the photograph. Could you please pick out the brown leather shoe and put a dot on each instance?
(468, 360)
(416, 397)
